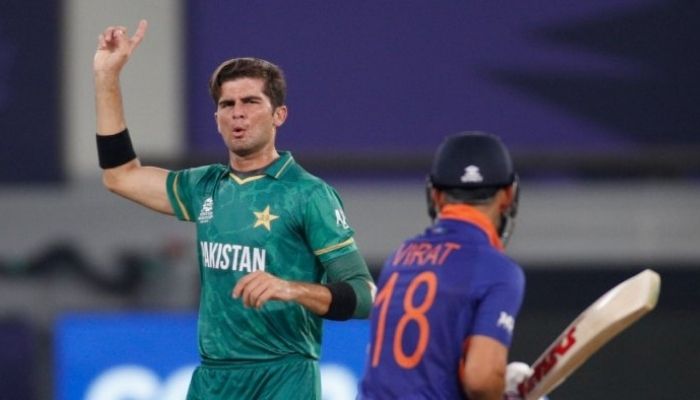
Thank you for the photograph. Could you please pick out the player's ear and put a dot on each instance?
(437, 197)
(507, 196)
(279, 116)
(216, 121)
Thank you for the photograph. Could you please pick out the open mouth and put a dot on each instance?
(238, 132)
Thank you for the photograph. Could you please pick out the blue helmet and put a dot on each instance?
(471, 160)
(477, 164)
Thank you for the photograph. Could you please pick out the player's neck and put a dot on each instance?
(254, 161)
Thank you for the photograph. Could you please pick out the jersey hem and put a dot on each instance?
(228, 364)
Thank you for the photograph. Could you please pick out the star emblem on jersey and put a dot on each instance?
(264, 218)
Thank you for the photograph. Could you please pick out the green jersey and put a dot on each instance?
(286, 222)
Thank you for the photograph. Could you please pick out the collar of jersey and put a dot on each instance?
(275, 170)
(465, 213)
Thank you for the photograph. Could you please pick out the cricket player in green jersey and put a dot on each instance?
(276, 253)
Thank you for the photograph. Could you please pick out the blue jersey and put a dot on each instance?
(435, 291)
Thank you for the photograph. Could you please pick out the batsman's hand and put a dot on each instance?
(259, 287)
(114, 47)
(517, 372)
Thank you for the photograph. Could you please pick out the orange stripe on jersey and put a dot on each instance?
(463, 212)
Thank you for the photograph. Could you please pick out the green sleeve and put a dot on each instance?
(325, 226)
(179, 195)
(352, 269)
(188, 188)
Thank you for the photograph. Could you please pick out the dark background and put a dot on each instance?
(565, 83)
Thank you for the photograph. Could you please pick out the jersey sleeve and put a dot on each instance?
(352, 269)
(185, 188)
(325, 225)
(499, 305)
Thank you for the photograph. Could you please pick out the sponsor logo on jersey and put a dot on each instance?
(506, 321)
(207, 212)
(340, 218)
(472, 174)
(234, 257)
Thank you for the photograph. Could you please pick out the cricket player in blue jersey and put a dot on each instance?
(447, 301)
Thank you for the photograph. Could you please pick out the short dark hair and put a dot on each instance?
(275, 86)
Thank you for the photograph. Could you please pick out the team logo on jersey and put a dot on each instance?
(207, 212)
(264, 218)
(340, 218)
(472, 174)
(506, 322)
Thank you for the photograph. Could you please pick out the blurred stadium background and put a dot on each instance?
(597, 100)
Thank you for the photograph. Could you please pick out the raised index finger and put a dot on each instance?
(139, 34)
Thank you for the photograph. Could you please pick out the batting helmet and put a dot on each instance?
(475, 165)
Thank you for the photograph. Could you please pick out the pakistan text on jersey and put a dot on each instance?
(235, 257)
(422, 253)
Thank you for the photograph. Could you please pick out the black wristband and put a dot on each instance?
(343, 301)
(115, 150)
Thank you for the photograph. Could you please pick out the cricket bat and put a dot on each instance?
(612, 313)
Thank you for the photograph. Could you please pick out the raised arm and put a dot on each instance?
(122, 171)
